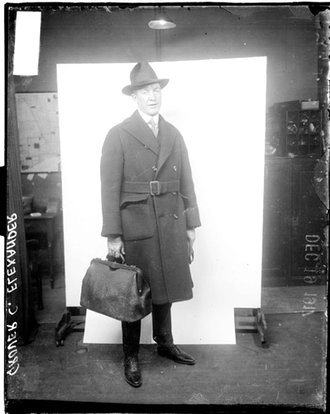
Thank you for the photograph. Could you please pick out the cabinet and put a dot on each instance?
(276, 222)
(294, 244)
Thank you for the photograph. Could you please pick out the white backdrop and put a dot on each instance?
(219, 107)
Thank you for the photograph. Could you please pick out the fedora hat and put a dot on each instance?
(142, 75)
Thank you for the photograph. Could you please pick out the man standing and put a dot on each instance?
(150, 211)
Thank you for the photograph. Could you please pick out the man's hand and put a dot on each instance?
(191, 236)
(116, 247)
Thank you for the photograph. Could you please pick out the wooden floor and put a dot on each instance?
(286, 374)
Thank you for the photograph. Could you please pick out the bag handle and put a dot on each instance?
(120, 259)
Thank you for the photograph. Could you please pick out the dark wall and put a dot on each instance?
(98, 35)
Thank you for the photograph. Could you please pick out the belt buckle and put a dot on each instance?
(154, 188)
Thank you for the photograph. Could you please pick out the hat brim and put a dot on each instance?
(129, 89)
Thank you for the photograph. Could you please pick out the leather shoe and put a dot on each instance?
(174, 352)
(132, 371)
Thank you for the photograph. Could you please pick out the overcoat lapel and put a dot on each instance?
(166, 138)
(136, 126)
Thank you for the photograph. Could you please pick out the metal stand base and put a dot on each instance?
(69, 323)
(251, 320)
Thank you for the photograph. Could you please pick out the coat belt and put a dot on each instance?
(151, 187)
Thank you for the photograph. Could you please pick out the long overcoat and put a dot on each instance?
(152, 218)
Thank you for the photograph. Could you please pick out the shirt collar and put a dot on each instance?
(147, 118)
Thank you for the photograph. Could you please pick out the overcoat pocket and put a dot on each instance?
(136, 216)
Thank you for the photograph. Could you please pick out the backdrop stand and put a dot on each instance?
(220, 228)
(71, 321)
(251, 320)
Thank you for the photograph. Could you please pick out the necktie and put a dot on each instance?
(153, 126)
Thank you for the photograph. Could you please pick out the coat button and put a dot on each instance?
(175, 216)
(174, 167)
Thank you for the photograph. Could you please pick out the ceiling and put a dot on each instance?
(298, 12)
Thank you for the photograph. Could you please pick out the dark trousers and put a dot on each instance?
(161, 329)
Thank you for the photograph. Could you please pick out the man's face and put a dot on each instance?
(148, 99)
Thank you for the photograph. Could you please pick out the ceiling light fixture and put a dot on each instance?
(161, 22)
